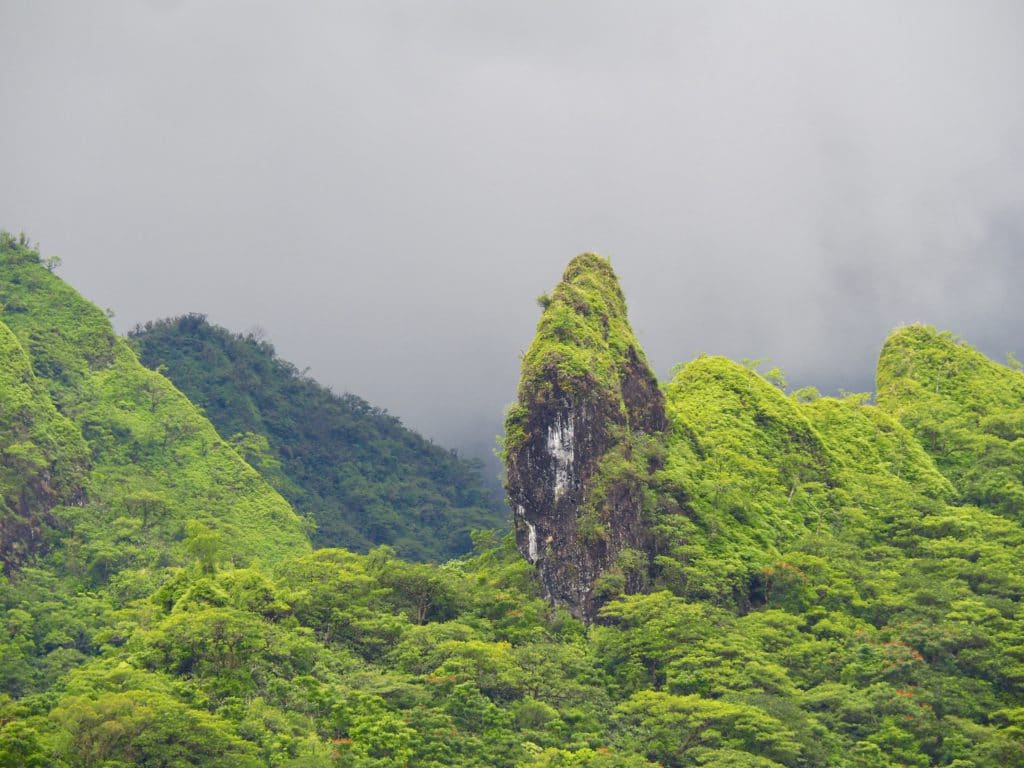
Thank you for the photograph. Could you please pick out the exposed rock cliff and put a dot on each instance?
(577, 442)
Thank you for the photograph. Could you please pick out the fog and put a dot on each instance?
(385, 187)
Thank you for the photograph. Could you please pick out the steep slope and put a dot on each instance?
(967, 411)
(43, 458)
(750, 473)
(137, 470)
(356, 471)
(576, 440)
(745, 474)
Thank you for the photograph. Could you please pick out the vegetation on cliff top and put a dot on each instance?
(583, 342)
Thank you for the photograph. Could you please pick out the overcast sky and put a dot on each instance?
(385, 187)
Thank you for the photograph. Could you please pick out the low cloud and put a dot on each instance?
(385, 188)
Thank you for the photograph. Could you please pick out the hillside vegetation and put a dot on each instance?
(966, 412)
(823, 582)
(108, 475)
(362, 477)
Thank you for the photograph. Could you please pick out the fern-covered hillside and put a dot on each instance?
(353, 469)
(108, 474)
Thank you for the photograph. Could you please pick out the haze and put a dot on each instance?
(385, 187)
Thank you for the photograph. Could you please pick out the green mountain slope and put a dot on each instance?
(750, 472)
(967, 411)
(43, 458)
(745, 473)
(815, 583)
(363, 477)
(154, 460)
(108, 476)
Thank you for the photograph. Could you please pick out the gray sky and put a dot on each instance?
(385, 187)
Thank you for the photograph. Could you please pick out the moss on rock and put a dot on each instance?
(586, 399)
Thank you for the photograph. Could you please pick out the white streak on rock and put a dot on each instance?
(531, 534)
(560, 446)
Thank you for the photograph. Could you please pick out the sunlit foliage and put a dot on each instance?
(831, 583)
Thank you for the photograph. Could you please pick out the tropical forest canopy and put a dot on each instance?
(823, 581)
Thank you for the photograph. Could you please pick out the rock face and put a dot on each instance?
(578, 442)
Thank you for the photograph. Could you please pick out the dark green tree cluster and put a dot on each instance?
(362, 477)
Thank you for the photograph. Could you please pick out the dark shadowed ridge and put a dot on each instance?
(352, 468)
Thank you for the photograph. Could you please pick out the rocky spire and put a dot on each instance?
(576, 439)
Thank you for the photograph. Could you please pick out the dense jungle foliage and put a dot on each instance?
(354, 470)
(830, 583)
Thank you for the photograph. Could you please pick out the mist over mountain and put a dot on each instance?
(387, 190)
(761, 441)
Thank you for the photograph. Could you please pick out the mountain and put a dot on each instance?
(92, 439)
(353, 469)
(587, 400)
(967, 412)
(109, 477)
(897, 522)
(707, 572)
(700, 486)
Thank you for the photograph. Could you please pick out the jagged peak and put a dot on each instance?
(586, 391)
(583, 336)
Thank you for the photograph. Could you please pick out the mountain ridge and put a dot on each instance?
(356, 471)
(141, 433)
(800, 582)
